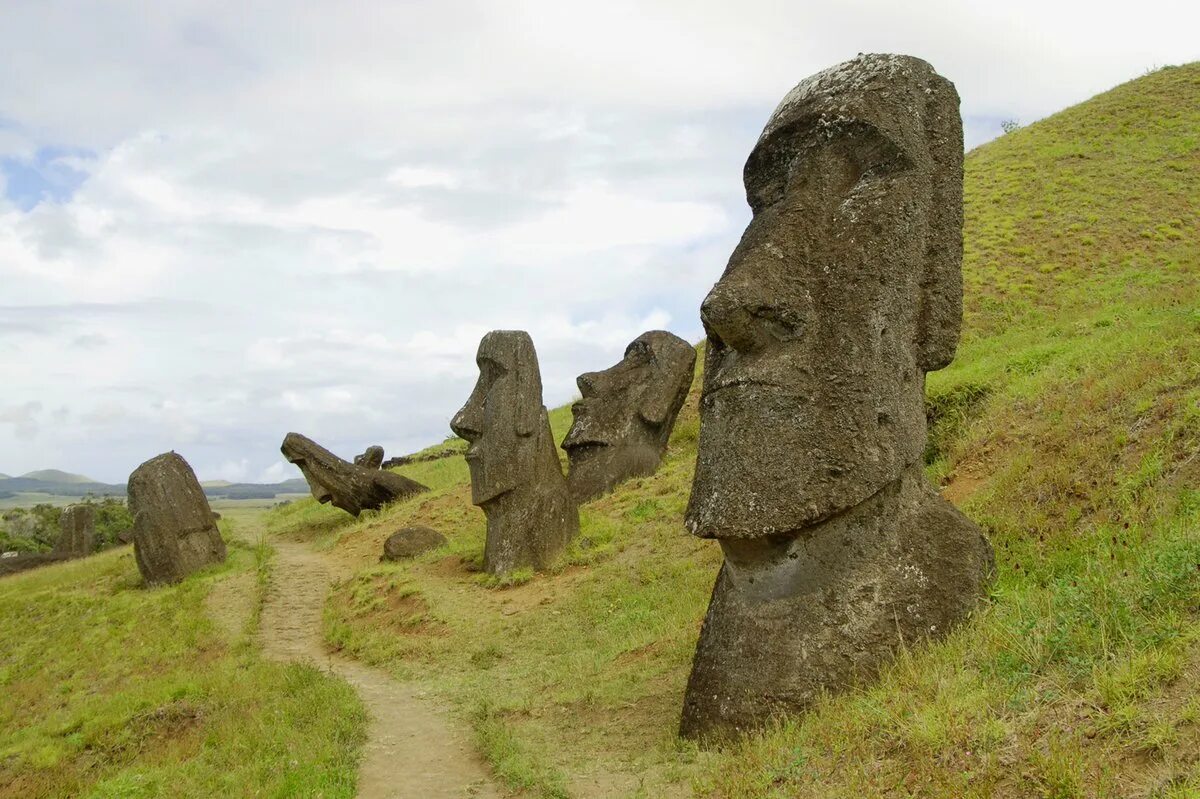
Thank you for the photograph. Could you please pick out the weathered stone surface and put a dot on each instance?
(344, 485)
(626, 414)
(15, 563)
(845, 289)
(174, 533)
(77, 538)
(409, 542)
(371, 459)
(515, 473)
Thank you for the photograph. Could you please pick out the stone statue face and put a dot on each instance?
(637, 398)
(840, 296)
(500, 419)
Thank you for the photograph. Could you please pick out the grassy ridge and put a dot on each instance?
(108, 689)
(1067, 425)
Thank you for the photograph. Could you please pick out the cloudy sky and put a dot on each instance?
(221, 221)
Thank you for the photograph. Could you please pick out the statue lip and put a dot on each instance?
(473, 454)
(738, 382)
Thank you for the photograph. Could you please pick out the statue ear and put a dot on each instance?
(529, 386)
(941, 281)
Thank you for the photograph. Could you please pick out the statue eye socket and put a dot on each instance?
(782, 323)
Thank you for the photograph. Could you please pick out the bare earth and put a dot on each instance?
(414, 749)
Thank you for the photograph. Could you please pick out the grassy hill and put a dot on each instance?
(57, 476)
(1068, 426)
(109, 689)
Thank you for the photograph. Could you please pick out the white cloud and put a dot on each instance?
(311, 231)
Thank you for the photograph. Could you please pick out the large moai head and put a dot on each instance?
(843, 292)
(515, 473)
(343, 484)
(174, 533)
(626, 413)
(504, 416)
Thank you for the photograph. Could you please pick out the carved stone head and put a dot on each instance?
(843, 292)
(503, 416)
(626, 414)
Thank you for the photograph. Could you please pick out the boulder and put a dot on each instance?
(409, 542)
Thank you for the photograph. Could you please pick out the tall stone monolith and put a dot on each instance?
(174, 533)
(515, 473)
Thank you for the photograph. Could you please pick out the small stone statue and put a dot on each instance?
(626, 414)
(372, 458)
(77, 538)
(515, 473)
(845, 289)
(345, 485)
(174, 533)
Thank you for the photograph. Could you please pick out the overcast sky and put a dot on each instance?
(221, 221)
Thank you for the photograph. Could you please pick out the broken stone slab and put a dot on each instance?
(409, 542)
(626, 414)
(342, 484)
(77, 536)
(845, 289)
(174, 533)
(515, 473)
(372, 458)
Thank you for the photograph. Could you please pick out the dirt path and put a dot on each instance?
(414, 749)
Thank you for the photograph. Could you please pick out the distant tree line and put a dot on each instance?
(36, 529)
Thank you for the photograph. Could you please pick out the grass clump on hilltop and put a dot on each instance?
(110, 689)
(1068, 426)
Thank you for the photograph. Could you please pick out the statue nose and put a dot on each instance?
(586, 383)
(726, 318)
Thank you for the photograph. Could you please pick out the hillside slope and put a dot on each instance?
(1068, 426)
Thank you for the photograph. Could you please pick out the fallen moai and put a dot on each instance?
(174, 533)
(845, 289)
(372, 458)
(342, 484)
(515, 473)
(626, 414)
(77, 536)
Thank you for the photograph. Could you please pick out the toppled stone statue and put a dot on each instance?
(515, 473)
(845, 289)
(345, 485)
(371, 459)
(408, 542)
(626, 414)
(77, 538)
(174, 533)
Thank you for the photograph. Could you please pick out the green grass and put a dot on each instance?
(1068, 426)
(110, 689)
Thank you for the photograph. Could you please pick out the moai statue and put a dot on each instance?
(77, 538)
(845, 289)
(515, 474)
(174, 533)
(372, 458)
(345, 485)
(627, 412)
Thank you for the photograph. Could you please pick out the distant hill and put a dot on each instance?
(58, 483)
(57, 476)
